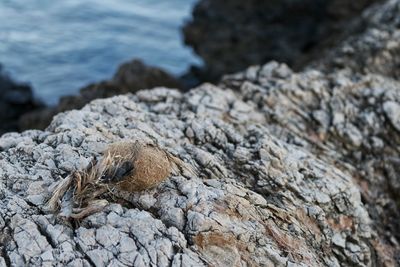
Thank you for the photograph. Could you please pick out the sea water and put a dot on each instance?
(60, 46)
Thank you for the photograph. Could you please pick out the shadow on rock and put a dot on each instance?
(232, 35)
(15, 100)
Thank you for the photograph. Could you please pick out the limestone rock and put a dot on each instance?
(376, 49)
(258, 199)
(348, 120)
(294, 169)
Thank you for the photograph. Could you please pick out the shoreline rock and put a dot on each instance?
(295, 168)
(231, 35)
(346, 119)
(374, 50)
(16, 99)
(259, 199)
(129, 78)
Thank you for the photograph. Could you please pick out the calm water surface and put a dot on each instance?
(60, 46)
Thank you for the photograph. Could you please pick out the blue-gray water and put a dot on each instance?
(60, 46)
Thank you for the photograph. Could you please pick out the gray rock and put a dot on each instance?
(374, 49)
(392, 111)
(338, 240)
(247, 205)
(357, 120)
(293, 168)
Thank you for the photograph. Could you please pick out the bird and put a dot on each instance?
(134, 166)
(128, 166)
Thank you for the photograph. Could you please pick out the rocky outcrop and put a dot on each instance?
(232, 35)
(130, 77)
(375, 50)
(350, 121)
(15, 100)
(261, 197)
(293, 169)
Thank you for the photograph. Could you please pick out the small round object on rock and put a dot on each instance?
(134, 166)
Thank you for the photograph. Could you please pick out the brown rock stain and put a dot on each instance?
(385, 252)
(309, 223)
(222, 249)
(341, 223)
(294, 246)
(235, 207)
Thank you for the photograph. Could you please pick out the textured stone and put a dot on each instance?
(294, 169)
(257, 200)
(392, 111)
(375, 49)
(231, 35)
(363, 126)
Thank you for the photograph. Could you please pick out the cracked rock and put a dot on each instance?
(294, 169)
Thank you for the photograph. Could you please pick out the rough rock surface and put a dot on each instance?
(231, 35)
(349, 121)
(294, 169)
(260, 199)
(130, 77)
(374, 50)
(15, 100)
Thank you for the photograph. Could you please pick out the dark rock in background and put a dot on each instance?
(130, 77)
(365, 132)
(232, 35)
(15, 100)
(374, 50)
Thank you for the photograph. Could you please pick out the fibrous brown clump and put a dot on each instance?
(134, 166)
(127, 165)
